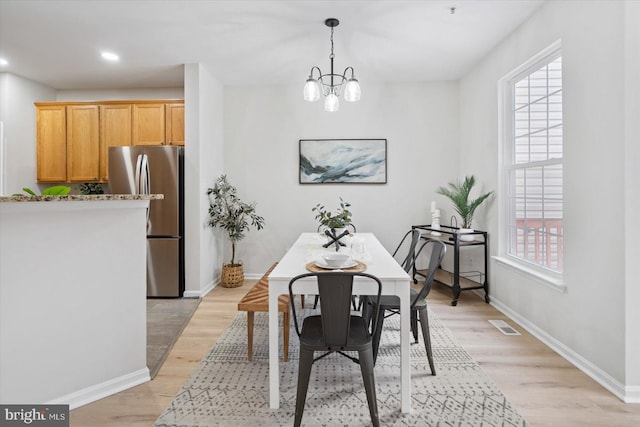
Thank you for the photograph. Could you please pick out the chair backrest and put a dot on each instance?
(334, 290)
(410, 253)
(438, 250)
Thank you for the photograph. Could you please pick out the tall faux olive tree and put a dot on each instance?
(229, 213)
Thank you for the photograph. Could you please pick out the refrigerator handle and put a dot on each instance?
(137, 174)
(146, 177)
(145, 184)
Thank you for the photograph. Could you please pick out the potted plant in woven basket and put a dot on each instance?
(228, 212)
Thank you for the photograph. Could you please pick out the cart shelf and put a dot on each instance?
(457, 280)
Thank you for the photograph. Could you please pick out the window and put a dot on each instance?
(532, 162)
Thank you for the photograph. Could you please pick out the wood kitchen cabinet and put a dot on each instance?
(51, 145)
(115, 131)
(148, 124)
(174, 120)
(73, 138)
(83, 143)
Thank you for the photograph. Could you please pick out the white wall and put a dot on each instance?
(3, 111)
(264, 123)
(586, 323)
(71, 332)
(203, 162)
(116, 94)
(18, 115)
(632, 196)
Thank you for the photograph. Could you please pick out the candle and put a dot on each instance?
(433, 206)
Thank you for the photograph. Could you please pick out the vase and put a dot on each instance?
(464, 237)
(232, 275)
(339, 230)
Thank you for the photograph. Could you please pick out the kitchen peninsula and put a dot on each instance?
(72, 297)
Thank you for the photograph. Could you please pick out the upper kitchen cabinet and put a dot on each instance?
(174, 120)
(51, 145)
(115, 130)
(158, 123)
(83, 143)
(148, 124)
(73, 137)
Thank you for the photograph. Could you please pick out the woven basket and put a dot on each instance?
(232, 275)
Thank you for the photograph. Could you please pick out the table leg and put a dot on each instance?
(456, 272)
(274, 368)
(249, 335)
(285, 331)
(405, 357)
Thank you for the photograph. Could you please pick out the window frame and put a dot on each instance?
(538, 272)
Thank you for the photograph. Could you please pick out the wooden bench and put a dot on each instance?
(257, 299)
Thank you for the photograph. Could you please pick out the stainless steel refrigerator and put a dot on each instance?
(156, 170)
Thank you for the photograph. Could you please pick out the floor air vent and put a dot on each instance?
(504, 327)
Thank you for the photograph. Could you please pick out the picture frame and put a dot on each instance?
(342, 161)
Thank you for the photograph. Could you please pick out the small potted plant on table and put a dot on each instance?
(229, 213)
(335, 225)
(338, 221)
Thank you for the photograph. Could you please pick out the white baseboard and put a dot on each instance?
(202, 292)
(102, 390)
(632, 394)
(626, 394)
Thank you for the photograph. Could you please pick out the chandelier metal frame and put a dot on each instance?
(332, 83)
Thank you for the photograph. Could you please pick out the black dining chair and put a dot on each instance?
(353, 300)
(405, 254)
(391, 304)
(407, 249)
(335, 330)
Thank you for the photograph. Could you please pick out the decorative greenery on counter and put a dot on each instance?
(231, 214)
(341, 219)
(90, 188)
(459, 195)
(56, 190)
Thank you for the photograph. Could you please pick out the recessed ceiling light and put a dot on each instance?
(110, 56)
(3, 62)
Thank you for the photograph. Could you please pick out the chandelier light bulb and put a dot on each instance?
(311, 90)
(352, 90)
(331, 103)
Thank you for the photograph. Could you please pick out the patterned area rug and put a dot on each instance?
(227, 390)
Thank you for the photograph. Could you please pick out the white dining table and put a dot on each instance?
(395, 281)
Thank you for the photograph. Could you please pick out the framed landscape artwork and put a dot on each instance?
(343, 161)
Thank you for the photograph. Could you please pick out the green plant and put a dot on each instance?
(340, 219)
(459, 195)
(229, 213)
(90, 188)
(56, 190)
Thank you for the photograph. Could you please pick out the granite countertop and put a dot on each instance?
(81, 197)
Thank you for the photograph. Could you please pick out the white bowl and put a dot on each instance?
(335, 260)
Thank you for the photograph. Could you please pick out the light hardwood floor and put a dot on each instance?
(546, 389)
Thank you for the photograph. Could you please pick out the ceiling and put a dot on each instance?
(58, 42)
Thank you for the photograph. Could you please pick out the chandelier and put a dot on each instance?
(332, 83)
